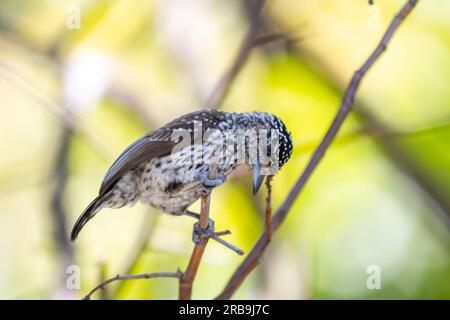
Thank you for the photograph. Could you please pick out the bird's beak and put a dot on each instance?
(257, 178)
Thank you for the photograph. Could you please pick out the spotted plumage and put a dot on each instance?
(171, 167)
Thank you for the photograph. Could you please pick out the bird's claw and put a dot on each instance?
(212, 183)
(199, 235)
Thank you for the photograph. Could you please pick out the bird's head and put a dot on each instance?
(274, 145)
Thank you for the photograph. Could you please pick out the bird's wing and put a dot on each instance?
(155, 144)
(140, 151)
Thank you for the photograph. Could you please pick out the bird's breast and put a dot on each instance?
(172, 183)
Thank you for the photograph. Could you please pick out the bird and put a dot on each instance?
(173, 166)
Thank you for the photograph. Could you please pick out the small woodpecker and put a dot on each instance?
(170, 175)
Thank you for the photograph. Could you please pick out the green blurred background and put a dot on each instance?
(380, 197)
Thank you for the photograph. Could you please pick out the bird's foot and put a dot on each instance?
(212, 183)
(199, 235)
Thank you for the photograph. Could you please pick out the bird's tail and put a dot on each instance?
(87, 215)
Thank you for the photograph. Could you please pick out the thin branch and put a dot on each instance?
(217, 236)
(278, 36)
(252, 260)
(268, 210)
(132, 277)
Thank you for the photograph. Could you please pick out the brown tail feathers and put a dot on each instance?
(87, 214)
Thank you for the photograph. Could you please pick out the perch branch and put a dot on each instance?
(215, 99)
(252, 259)
(188, 277)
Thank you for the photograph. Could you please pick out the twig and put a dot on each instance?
(252, 259)
(216, 236)
(268, 210)
(278, 36)
(132, 277)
